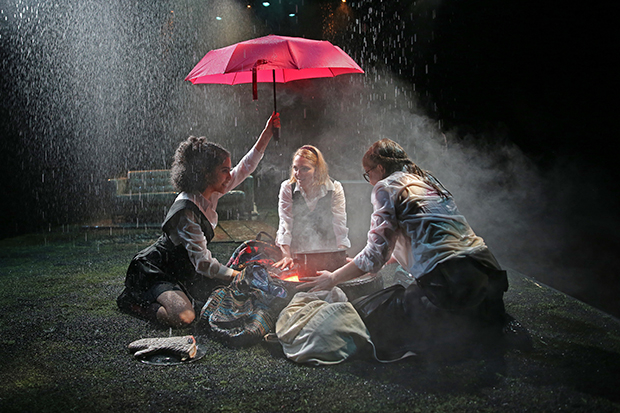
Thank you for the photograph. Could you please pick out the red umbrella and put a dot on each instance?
(276, 59)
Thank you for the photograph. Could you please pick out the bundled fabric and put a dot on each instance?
(242, 313)
(321, 328)
(255, 251)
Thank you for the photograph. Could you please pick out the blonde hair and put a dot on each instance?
(312, 154)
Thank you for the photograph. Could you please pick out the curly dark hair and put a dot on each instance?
(393, 158)
(195, 160)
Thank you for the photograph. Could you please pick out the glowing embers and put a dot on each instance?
(291, 275)
(294, 278)
(294, 275)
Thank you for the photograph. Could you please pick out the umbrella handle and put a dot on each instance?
(276, 131)
(254, 84)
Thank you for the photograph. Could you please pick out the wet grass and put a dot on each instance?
(63, 346)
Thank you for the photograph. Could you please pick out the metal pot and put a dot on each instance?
(309, 262)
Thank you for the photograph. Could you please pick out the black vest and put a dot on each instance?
(312, 230)
(164, 261)
(172, 218)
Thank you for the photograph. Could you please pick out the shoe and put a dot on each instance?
(125, 301)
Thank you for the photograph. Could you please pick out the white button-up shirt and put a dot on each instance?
(339, 212)
(418, 227)
(188, 230)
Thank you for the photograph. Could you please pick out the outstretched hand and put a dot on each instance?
(324, 281)
(272, 123)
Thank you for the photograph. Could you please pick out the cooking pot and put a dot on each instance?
(309, 262)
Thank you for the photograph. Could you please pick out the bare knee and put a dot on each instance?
(186, 317)
(171, 318)
(176, 310)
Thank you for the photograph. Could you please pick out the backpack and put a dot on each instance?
(255, 251)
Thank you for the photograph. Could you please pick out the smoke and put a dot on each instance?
(526, 213)
(93, 90)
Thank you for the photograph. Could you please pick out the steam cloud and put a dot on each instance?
(92, 91)
(524, 213)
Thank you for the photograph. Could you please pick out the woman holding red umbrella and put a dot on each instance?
(168, 279)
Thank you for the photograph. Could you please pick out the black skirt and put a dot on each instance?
(450, 306)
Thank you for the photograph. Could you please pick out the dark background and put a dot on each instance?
(532, 75)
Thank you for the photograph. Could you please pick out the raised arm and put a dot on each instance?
(267, 133)
(250, 161)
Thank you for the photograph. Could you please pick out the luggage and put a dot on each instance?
(321, 328)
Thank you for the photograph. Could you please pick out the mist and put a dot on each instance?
(92, 90)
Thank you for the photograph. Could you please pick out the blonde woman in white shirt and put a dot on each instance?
(311, 208)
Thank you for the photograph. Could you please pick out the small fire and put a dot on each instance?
(292, 278)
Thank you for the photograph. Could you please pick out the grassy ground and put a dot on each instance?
(63, 348)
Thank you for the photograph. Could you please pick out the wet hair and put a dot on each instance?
(321, 170)
(393, 158)
(195, 161)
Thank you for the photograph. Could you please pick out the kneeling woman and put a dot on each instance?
(458, 286)
(164, 279)
(311, 208)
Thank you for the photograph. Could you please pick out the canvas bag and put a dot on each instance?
(321, 328)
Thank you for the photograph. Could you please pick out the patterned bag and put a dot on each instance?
(242, 313)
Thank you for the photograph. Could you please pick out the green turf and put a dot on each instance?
(63, 348)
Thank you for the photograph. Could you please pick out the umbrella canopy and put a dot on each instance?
(276, 59)
(272, 59)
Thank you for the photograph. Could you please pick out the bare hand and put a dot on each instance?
(273, 122)
(322, 282)
(235, 274)
(284, 263)
(267, 133)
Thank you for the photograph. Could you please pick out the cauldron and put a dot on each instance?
(309, 262)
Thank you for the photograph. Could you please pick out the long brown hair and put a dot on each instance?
(393, 158)
(314, 155)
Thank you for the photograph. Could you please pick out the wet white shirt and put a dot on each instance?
(339, 211)
(428, 229)
(188, 230)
